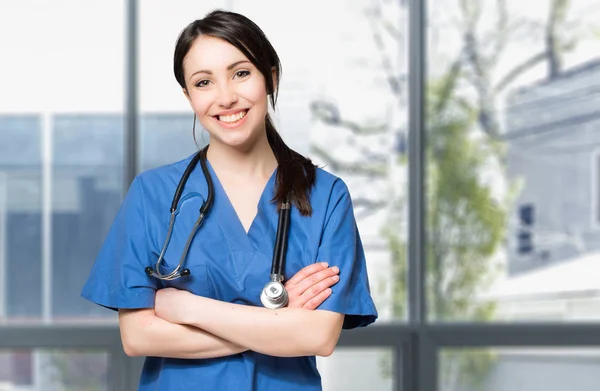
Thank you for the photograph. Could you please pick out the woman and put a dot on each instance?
(207, 329)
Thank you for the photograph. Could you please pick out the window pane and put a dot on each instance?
(167, 138)
(342, 102)
(20, 216)
(86, 192)
(357, 369)
(511, 175)
(22, 370)
(507, 369)
(61, 154)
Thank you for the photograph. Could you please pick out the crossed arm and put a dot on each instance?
(183, 325)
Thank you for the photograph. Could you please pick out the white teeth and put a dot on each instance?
(232, 118)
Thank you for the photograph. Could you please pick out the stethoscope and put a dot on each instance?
(274, 294)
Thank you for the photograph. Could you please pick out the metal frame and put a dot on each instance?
(416, 343)
(131, 128)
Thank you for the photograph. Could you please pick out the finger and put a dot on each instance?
(315, 279)
(307, 271)
(317, 289)
(317, 300)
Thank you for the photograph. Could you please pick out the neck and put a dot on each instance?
(258, 161)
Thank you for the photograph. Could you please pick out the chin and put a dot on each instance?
(234, 141)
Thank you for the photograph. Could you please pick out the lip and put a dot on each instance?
(230, 112)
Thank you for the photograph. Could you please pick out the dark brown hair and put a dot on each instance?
(296, 173)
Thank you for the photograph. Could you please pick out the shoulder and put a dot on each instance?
(330, 185)
(329, 193)
(157, 185)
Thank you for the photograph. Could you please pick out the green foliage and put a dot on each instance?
(465, 222)
(465, 367)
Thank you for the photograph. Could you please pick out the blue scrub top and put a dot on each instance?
(230, 265)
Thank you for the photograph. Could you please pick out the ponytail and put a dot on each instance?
(295, 174)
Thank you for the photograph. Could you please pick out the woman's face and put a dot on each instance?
(226, 91)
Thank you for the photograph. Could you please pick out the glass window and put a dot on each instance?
(61, 154)
(504, 369)
(167, 138)
(23, 370)
(20, 216)
(511, 127)
(358, 369)
(86, 193)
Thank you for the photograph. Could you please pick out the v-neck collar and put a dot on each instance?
(227, 215)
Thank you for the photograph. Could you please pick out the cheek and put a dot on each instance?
(200, 103)
(254, 92)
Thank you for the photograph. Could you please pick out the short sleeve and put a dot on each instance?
(341, 246)
(118, 278)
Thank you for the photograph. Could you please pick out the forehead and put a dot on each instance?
(210, 53)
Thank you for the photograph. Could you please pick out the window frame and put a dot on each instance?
(416, 342)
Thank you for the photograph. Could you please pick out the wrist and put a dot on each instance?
(193, 309)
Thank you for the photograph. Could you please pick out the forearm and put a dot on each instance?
(287, 332)
(145, 334)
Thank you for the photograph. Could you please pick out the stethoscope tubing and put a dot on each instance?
(200, 156)
(278, 265)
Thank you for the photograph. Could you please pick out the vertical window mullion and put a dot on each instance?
(416, 167)
(131, 96)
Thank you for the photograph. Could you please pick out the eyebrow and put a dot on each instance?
(229, 67)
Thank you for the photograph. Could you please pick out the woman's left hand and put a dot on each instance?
(171, 304)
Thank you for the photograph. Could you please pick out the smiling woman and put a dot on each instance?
(209, 321)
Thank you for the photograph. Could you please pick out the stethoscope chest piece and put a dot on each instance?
(274, 294)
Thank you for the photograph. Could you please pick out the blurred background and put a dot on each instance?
(476, 121)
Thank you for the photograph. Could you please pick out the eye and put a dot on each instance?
(201, 83)
(242, 74)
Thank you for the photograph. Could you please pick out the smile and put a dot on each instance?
(233, 119)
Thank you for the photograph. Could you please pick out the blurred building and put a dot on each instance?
(554, 257)
(553, 152)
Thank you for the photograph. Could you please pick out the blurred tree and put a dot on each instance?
(483, 51)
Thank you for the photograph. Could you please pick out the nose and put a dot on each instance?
(227, 97)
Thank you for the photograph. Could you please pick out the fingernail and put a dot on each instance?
(335, 278)
(335, 269)
(328, 291)
(324, 264)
